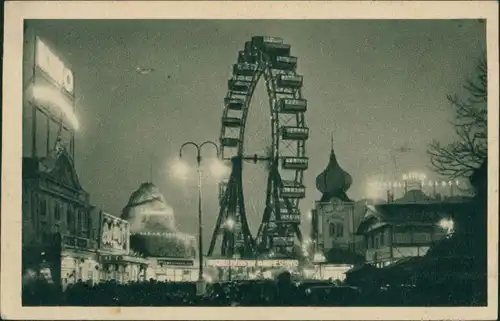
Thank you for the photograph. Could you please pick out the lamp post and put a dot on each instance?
(200, 219)
(319, 259)
(229, 225)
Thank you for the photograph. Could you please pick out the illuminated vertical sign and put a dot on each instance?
(53, 67)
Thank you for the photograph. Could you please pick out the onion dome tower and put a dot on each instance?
(333, 182)
(152, 225)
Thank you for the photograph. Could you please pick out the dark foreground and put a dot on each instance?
(252, 293)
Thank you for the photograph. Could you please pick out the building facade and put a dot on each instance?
(401, 230)
(57, 229)
(170, 252)
(334, 215)
(171, 269)
(334, 225)
(58, 239)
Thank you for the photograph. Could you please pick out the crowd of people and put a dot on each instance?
(279, 292)
(156, 293)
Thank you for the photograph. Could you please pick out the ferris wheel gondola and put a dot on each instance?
(266, 58)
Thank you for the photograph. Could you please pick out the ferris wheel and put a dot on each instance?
(267, 59)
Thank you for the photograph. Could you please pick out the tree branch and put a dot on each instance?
(462, 157)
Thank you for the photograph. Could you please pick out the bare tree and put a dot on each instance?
(461, 157)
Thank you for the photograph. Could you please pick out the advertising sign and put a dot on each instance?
(47, 61)
(269, 263)
(295, 218)
(166, 244)
(175, 262)
(115, 234)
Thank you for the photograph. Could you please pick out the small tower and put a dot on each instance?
(333, 182)
(333, 222)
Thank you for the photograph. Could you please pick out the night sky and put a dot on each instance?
(375, 85)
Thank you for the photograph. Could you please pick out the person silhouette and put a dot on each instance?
(284, 288)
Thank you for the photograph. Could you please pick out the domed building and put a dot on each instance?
(147, 209)
(154, 233)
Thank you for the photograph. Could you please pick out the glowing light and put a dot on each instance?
(443, 183)
(415, 176)
(450, 183)
(179, 169)
(146, 211)
(457, 182)
(308, 273)
(319, 257)
(374, 188)
(53, 66)
(430, 183)
(208, 278)
(230, 223)
(305, 249)
(52, 96)
(309, 215)
(219, 169)
(447, 224)
(267, 274)
(252, 263)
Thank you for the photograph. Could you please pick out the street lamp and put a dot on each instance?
(181, 171)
